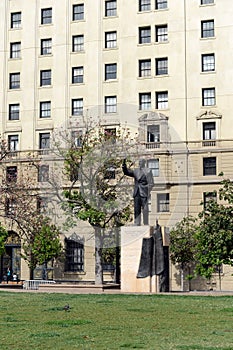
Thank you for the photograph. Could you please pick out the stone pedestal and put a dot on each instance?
(131, 245)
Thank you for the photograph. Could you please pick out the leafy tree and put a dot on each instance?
(3, 236)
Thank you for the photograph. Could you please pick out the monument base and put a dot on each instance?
(131, 246)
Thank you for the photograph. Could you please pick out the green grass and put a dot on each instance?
(37, 321)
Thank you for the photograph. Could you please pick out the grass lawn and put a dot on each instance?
(37, 321)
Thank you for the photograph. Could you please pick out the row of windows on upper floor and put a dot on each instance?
(110, 10)
(110, 71)
(110, 39)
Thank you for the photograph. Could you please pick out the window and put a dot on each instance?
(11, 173)
(160, 4)
(13, 143)
(153, 164)
(110, 134)
(43, 173)
(145, 68)
(46, 16)
(144, 5)
(205, 2)
(110, 40)
(42, 204)
(45, 109)
(14, 80)
(208, 62)
(209, 131)
(209, 166)
(110, 104)
(153, 133)
(77, 75)
(78, 43)
(46, 47)
(161, 33)
(163, 202)
(145, 101)
(110, 71)
(15, 50)
(10, 207)
(207, 29)
(77, 106)
(78, 12)
(161, 66)
(76, 138)
(44, 140)
(208, 97)
(74, 257)
(209, 197)
(45, 77)
(110, 8)
(15, 20)
(144, 35)
(162, 100)
(14, 111)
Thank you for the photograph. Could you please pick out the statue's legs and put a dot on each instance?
(145, 210)
(141, 205)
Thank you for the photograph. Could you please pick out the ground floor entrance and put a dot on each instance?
(10, 262)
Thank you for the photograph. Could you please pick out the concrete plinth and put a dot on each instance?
(131, 245)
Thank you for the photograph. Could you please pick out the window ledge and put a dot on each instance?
(111, 81)
(209, 72)
(208, 38)
(146, 77)
(110, 48)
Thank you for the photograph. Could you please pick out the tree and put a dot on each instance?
(3, 236)
(183, 244)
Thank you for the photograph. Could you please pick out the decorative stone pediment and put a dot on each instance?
(75, 237)
(151, 117)
(209, 114)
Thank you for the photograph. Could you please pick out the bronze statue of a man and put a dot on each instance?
(143, 183)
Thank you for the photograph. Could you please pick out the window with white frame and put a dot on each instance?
(207, 29)
(10, 207)
(44, 140)
(110, 104)
(161, 66)
(76, 138)
(209, 166)
(209, 131)
(14, 111)
(46, 16)
(153, 133)
(74, 255)
(45, 77)
(163, 202)
(153, 164)
(160, 4)
(161, 100)
(206, 2)
(161, 33)
(110, 40)
(110, 8)
(208, 62)
(208, 97)
(45, 109)
(145, 35)
(15, 20)
(145, 68)
(78, 12)
(13, 143)
(144, 101)
(77, 106)
(209, 197)
(43, 173)
(15, 50)
(78, 43)
(14, 80)
(144, 5)
(77, 75)
(110, 71)
(46, 47)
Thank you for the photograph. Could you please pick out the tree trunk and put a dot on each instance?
(98, 257)
(182, 279)
(31, 273)
(117, 274)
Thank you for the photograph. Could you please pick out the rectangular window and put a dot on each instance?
(209, 131)
(160, 4)
(42, 204)
(144, 5)
(46, 47)
(209, 166)
(145, 101)
(46, 16)
(110, 71)
(207, 29)
(110, 40)
(144, 35)
(163, 202)
(45, 77)
(206, 2)
(78, 12)
(77, 75)
(43, 173)
(161, 66)
(44, 140)
(153, 133)
(153, 164)
(74, 255)
(145, 68)
(78, 43)
(15, 20)
(110, 104)
(208, 97)
(162, 100)
(161, 33)
(110, 8)
(11, 173)
(14, 80)
(209, 197)
(14, 111)
(15, 50)
(208, 62)
(45, 109)
(10, 207)
(76, 138)
(77, 106)
(13, 143)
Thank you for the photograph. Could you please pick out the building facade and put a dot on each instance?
(162, 67)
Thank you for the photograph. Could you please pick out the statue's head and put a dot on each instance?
(142, 163)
